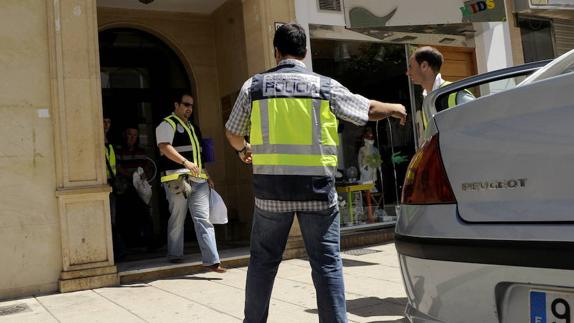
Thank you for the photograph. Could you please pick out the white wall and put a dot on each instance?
(493, 52)
(493, 47)
(307, 12)
(316, 16)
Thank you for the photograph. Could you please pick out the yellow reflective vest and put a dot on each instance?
(186, 142)
(452, 102)
(110, 160)
(293, 135)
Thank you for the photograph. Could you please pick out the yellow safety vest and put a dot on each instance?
(451, 102)
(190, 150)
(110, 160)
(293, 134)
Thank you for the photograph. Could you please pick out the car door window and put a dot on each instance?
(480, 88)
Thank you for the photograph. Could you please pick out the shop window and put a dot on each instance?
(376, 71)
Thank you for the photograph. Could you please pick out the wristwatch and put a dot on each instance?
(242, 150)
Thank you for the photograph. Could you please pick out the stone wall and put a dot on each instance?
(29, 222)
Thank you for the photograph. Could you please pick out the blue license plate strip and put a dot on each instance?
(548, 306)
(537, 307)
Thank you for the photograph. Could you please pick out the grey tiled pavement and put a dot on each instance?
(374, 288)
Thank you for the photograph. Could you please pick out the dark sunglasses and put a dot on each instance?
(187, 104)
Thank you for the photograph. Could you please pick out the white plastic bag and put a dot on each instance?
(142, 186)
(217, 208)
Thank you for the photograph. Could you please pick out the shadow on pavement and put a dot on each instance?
(357, 263)
(134, 285)
(370, 301)
(403, 320)
(374, 306)
(193, 278)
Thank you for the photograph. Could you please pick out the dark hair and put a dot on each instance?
(430, 55)
(178, 96)
(290, 39)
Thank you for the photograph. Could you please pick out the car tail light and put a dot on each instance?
(426, 181)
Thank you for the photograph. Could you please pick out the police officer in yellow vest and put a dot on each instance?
(111, 172)
(290, 115)
(186, 183)
(111, 169)
(424, 70)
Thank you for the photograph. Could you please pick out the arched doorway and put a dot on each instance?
(140, 76)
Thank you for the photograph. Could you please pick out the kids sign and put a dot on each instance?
(386, 13)
(483, 11)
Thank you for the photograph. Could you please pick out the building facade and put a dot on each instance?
(67, 63)
(55, 219)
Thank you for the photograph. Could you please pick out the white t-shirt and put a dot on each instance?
(164, 133)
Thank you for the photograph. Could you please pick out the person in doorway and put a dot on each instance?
(110, 153)
(111, 173)
(130, 155)
(424, 70)
(186, 183)
(133, 202)
(290, 114)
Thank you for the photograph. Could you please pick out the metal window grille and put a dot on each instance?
(331, 5)
(564, 36)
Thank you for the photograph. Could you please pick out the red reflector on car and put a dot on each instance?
(426, 181)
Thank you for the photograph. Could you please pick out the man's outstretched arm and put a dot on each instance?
(379, 110)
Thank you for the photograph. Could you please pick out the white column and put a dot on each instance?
(493, 46)
(302, 18)
(493, 52)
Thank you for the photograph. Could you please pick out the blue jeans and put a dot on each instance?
(198, 204)
(321, 236)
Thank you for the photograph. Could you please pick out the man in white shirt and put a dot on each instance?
(186, 183)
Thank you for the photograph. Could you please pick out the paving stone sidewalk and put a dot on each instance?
(374, 289)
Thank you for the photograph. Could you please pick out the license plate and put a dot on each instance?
(551, 307)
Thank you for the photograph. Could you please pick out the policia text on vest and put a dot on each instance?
(293, 135)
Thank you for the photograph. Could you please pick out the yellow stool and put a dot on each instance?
(349, 189)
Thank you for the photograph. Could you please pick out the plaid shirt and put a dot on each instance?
(345, 105)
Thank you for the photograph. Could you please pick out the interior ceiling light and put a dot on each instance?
(146, 1)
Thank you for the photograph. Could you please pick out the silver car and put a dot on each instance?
(486, 225)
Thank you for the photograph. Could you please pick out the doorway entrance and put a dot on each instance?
(140, 76)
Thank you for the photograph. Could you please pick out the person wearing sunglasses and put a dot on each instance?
(186, 183)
